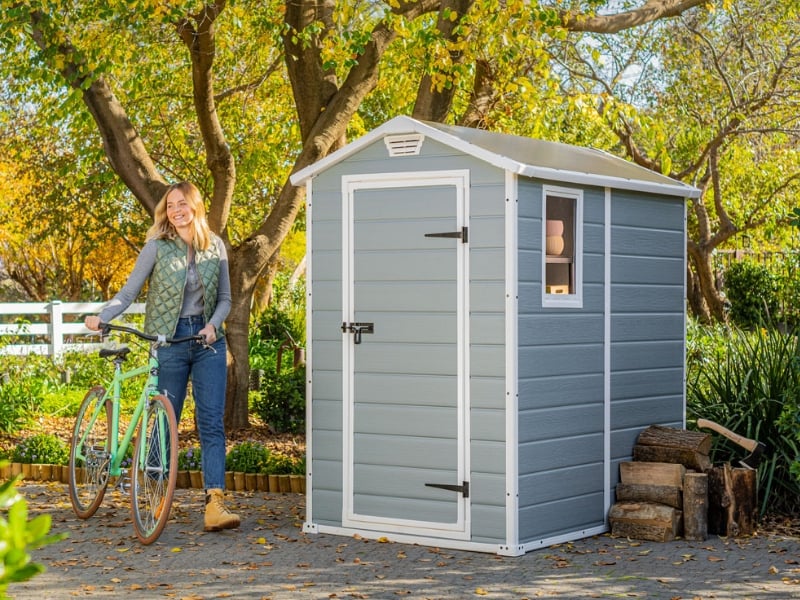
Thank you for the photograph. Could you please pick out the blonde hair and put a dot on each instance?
(163, 229)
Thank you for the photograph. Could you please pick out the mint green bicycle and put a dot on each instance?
(98, 453)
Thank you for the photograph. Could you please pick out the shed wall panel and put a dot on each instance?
(564, 516)
(647, 304)
(560, 422)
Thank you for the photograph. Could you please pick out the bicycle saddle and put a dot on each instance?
(122, 352)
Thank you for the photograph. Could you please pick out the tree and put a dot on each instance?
(711, 99)
(332, 54)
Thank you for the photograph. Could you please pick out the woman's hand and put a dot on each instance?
(210, 333)
(92, 322)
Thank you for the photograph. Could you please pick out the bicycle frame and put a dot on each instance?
(114, 394)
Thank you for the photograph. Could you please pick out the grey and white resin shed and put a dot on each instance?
(492, 321)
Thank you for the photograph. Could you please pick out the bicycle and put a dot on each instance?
(97, 453)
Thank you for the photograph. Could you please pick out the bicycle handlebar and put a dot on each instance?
(106, 327)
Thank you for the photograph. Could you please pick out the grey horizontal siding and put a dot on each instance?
(629, 328)
(549, 456)
(488, 392)
(647, 304)
(557, 391)
(327, 506)
(641, 383)
(487, 520)
(560, 356)
(564, 516)
(552, 486)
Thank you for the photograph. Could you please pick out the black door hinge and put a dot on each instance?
(463, 488)
(462, 235)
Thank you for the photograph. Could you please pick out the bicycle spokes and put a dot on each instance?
(90, 455)
(154, 469)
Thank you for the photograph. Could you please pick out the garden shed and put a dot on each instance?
(492, 320)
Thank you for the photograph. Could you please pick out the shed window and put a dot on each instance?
(562, 242)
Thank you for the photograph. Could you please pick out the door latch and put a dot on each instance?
(462, 489)
(357, 329)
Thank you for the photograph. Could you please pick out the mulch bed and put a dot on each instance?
(292, 445)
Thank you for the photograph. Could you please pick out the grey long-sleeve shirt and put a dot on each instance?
(193, 292)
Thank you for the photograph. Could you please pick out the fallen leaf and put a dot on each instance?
(481, 592)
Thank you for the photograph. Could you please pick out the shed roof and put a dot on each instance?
(525, 156)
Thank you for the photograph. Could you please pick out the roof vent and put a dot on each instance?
(404, 145)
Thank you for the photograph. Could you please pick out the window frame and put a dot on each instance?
(574, 300)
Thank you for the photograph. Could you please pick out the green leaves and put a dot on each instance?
(18, 535)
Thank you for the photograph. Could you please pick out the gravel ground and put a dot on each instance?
(270, 557)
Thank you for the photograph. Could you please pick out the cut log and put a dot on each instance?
(652, 473)
(732, 501)
(662, 494)
(645, 521)
(667, 444)
(657, 435)
(682, 456)
(695, 506)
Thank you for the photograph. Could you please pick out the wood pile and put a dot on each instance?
(671, 489)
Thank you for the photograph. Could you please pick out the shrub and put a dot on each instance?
(247, 457)
(190, 459)
(281, 402)
(299, 466)
(750, 383)
(18, 535)
(751, 289)
(42, 448)
(279, 464)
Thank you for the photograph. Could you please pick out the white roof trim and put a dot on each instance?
(405, 125)
(619, 183)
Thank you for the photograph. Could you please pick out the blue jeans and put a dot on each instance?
(208, 372)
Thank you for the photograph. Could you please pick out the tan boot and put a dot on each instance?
(217, 515)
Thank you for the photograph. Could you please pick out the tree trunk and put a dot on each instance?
(694, 297)
(237, 332)
(434, 104)
(704, 271)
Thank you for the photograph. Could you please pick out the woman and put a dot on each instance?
(189, 292)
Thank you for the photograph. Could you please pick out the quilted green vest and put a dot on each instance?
(167, 281)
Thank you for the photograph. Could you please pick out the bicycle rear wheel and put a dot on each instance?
(90, 454)
(154, 470)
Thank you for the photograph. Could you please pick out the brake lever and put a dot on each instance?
(204, 343)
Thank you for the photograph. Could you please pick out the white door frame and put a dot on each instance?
(461, 528)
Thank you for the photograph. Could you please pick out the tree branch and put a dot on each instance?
(652, 10)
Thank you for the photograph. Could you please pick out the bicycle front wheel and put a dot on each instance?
(90, 453)
(154, 470)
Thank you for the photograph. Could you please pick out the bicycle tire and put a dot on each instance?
(90, 454)
(155, 469)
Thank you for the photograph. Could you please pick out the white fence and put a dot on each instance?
(41, 327)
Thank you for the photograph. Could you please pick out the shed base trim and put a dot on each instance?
(561, 539)
(408, 539)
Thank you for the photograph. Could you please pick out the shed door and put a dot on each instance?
(405, 357)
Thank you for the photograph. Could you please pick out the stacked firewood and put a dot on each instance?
(671, 489)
